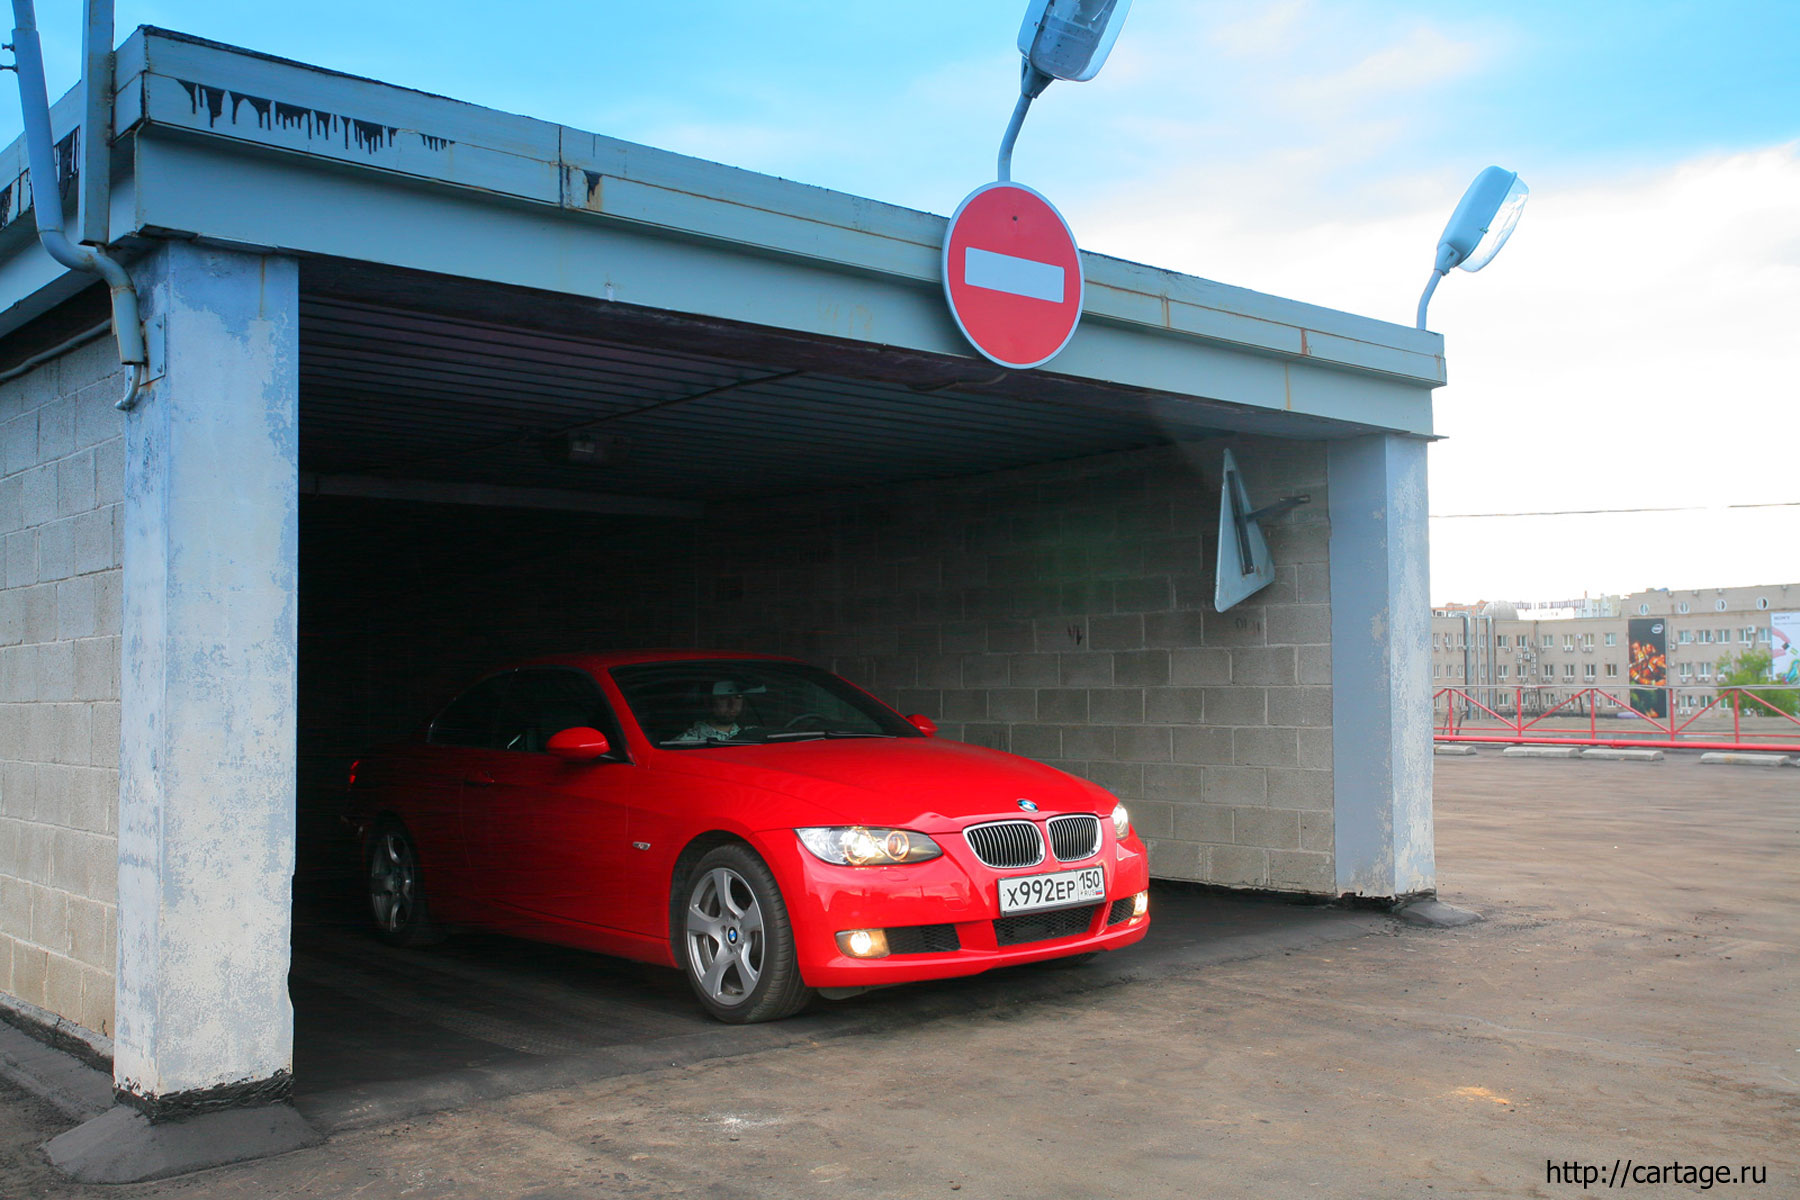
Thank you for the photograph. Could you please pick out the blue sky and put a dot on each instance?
(1311, 148)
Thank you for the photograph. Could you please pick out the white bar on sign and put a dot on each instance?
(1008, 273)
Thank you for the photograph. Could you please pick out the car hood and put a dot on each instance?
(912, 783)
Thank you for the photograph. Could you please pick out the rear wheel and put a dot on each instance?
(396, 891)
(736, 944)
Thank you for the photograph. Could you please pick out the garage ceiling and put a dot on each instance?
(415, 380)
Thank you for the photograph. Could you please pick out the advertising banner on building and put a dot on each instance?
(1649, 665)
(1784, 642)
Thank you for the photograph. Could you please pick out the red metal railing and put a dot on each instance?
(1477, 714)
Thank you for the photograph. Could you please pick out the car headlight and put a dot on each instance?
(1121, 820)
(860, 846)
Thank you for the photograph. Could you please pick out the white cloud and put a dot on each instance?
(1634, 346)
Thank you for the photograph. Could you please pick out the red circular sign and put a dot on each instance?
(1012, 275)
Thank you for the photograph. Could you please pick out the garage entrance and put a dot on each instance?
(433, 386)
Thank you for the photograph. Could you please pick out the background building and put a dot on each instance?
(1555, 650)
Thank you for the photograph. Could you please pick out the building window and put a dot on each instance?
(1724, 636)
(1568, 670)
(1612, 670)
(1685, 636)
(1682, 607)
(1500, 640)
(1612, 639)
(1706, 670)
(1687, 670)
(1587, 641)
(1503, 670)
(1749, 635)
(1568, 641)
(1643, 610)
(1706, 636)
(1549, 640)
(1437, 670)
(1437, 641)
(1587, 672)
(1762, 635)
(1762, 602)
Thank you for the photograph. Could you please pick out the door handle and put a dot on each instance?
(479, 779)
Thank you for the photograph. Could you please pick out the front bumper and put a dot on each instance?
(955, 891)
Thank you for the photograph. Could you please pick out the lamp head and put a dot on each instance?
(1070, 39)
(1483, 220)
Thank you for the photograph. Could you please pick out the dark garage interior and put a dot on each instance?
(489, 475)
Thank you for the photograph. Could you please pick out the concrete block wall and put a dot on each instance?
(61, 472)
(1064, 612)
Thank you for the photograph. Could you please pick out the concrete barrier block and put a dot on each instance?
(1542, 752)
(1742, 758)
(1452, 750)
(1622, 754)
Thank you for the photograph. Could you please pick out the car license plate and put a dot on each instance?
(1027, 892)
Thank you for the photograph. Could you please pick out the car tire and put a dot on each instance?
(396, 888)
(734, 941)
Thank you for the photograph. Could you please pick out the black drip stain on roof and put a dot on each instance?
(213, 97)
(593, 184)
(367, 136)
(259, 103)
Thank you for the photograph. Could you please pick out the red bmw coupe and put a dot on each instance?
(761, 824)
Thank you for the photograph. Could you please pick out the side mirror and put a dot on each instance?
(579, 744)
(924, 725)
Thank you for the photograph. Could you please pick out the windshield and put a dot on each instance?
(720, 702)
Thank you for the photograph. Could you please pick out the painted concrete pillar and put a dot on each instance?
(1381, 666)
(207, 738)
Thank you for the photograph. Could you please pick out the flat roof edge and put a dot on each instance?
(178, 83)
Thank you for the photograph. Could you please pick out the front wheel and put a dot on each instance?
(736, 944)
(396, 892)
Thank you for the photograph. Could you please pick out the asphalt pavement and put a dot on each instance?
(1629, 1002)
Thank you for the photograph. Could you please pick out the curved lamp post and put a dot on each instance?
(1482, 222)
(1060, 39)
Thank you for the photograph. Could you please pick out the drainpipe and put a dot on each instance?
(46, 196)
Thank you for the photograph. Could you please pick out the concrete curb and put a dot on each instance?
(122, 1145)
(1542, 752)
(1742, 758)
(1435, 914)
(54, 1075)
(1622, 754)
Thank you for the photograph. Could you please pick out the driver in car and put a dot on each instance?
(724, 707)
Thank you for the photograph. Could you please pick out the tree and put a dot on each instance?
(1748, 669)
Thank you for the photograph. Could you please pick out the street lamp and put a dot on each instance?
(1482, 222)
(1060, 39)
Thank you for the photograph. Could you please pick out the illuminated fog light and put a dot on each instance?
(863, 943)
(1140, 904)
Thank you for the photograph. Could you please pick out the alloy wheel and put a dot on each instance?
(725, 936)
(393, 881)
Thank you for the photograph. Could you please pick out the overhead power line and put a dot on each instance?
(1591, 512)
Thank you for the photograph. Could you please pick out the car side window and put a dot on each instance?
(545, 701)
(469, 720)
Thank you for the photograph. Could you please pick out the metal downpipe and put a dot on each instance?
(46, 194)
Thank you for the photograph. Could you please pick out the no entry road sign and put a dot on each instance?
(1012, 275)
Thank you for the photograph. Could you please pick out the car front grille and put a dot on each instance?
(1074, 838)
(1006, 843)
(1021, 928)
(1121, 910)
(923, 939)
